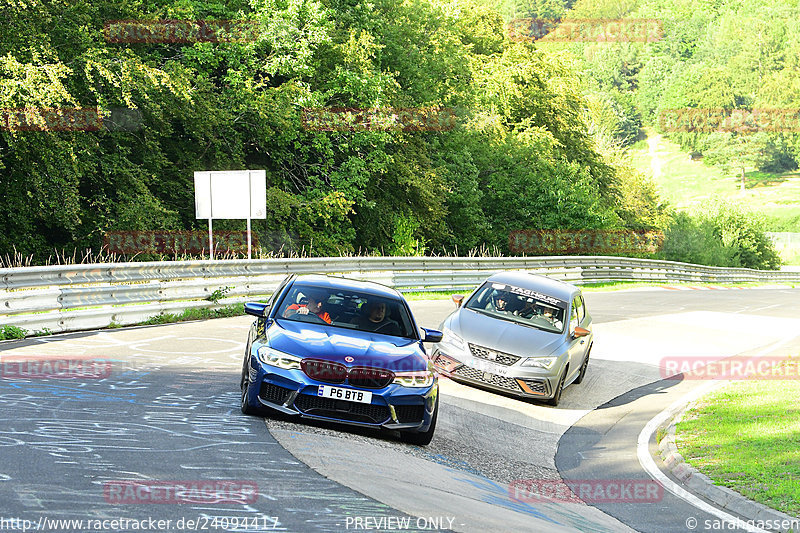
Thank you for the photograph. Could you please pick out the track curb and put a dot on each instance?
(701, 485)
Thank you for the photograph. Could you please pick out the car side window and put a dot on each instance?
(273, 299)
(581, 309)
(573, 316)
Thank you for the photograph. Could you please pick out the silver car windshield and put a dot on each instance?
(519, 305)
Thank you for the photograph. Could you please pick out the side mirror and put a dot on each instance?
(580, 332)
(256, 309)
(457, 299)
(431, 335)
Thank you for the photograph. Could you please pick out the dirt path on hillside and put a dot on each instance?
(656, 163)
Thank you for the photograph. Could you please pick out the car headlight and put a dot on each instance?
(540, 362)
(419, 378)
(422, 378)
(268, 356)
(452, 340)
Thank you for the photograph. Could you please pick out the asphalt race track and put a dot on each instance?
(165, 408)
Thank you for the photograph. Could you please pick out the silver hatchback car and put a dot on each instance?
(517, 333)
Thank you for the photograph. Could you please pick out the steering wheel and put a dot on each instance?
(387, 323)
(310, 317)
(395, 331)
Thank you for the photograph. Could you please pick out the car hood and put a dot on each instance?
(502, 335)
(316, 341)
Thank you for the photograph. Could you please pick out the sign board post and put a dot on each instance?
(230, 194)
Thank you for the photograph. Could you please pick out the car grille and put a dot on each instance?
(325, 371)
(502, 358)
(359, 376)
(484, 377)
(274, 393)
(370, 378)
(342, 409)
(409, 413)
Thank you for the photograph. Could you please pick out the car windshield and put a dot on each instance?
(516, 304)
(347, 309)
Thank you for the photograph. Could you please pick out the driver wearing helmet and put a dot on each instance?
(313, 305)
(500, 302)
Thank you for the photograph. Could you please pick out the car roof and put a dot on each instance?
(337, 283)
(536, 282)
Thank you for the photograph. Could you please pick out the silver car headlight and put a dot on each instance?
(451, 340)
(539, 362)
(268, 356)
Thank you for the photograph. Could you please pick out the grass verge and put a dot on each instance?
(435, 295)
(14, 332)
(194, 314)
(745, 437)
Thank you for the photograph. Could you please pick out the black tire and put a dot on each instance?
(422, 438)
(559, 389)
(584, 366)
(247, 409)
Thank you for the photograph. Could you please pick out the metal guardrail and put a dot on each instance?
(78, 297)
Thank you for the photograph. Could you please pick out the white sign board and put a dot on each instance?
(232, 194)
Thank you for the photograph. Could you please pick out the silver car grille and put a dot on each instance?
(484, 377)
(493, 355)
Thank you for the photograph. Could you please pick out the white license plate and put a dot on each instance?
(487, 366)
(340, 393)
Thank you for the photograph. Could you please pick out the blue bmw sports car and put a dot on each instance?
(343, 351)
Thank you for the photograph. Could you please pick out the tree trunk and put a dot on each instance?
(742, 188)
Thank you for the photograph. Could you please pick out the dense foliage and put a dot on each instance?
(740, 54)
(721, 234)
(538, 142)
(521, 155)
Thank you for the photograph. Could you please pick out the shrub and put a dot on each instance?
(12, 332)
(721, 234)
(693, 241)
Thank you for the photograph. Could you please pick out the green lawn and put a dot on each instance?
(746, 436)
(686, 184)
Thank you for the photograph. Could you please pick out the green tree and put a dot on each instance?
(733, 151)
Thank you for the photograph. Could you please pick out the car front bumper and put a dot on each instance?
(292, 392)
(523, 382)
